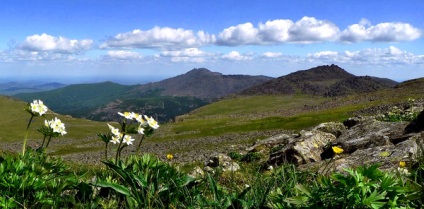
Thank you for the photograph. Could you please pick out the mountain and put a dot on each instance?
(204, 84)
(328, 80)
(11, 88)
(165, 99)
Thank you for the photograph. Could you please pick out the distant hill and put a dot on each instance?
(11, 88)
(328, 80)
(204, 84)
(164, 100)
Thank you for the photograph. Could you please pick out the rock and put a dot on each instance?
(231, 166)
(416, 125)
(218, 160)
(209, 169)
(335, 128)
(303, 149)
(369, 132)
(265, 145)
(197, 172)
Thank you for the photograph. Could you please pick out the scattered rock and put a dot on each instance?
(303, 149)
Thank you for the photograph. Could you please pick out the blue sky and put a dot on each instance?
(78, 41)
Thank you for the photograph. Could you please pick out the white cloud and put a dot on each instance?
(275, 31)
(123, 55)
(235, 56)
(188, 59)
(272, 54)
(306, 30)
(239, 35)
(48, 43)
(309, 30)
(161, 38)
(190, 52)
(369, 56)
(188, 55)
(382, 32)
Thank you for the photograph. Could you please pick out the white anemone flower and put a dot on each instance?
(126, 115)
(38, 107)
(128, 139)
(114, 130)
(152, 122)
(140, 129)
(115, 139)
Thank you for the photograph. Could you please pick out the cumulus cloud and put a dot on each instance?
(309, 29)
(123, 55)
(382, 32)
(370, 56)
(48, 43)
(235, 56)
(271, 54)
(187, 55)
(239, 35)
(161, 38)
(306, 30)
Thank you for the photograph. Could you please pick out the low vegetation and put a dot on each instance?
(32, 179)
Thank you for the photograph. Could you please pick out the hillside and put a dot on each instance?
(230, 124)
(11, 88)
(204, 84)
(328, 80)
(164, 100)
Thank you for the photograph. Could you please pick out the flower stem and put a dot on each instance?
(139, 144)
(48, 142)
(26, 134)
(118, 151)
(106, 152)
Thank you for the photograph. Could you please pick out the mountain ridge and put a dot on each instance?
(325, 80)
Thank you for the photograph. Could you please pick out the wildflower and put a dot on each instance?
(126, 115)
(114, 130)
(139, 119)
(152, 122)
(140, 129)
(116, 138)
(403, 171)
(402, 164)
(128, 139)
(337, 150)
(169, 156)
(37, 108)
(58, 126)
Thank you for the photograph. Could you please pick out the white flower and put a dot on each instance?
(140, 119)
(126, 115)
(114, 130)
(140, 129)
(57, 126)
(37, 107)
(128, 139)
(115, 139)
(403, 171)
(152, 122)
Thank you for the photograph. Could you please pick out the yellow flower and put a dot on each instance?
(402, 164)
(337, 150)
(169, 156)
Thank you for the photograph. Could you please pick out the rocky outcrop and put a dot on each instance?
(364, 140)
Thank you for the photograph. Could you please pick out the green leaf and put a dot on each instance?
(298, 200)
(374, 200)
(117, 187)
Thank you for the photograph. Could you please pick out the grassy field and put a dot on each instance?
(235, 115)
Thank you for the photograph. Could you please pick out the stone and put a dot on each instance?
(335, 128)
(231, 166)
(369, 132)
(303, 149)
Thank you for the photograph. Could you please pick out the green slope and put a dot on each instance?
(13, 121)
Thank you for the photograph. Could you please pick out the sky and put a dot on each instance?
(80, 41)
